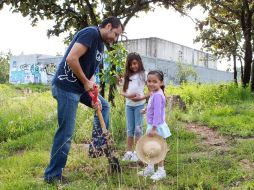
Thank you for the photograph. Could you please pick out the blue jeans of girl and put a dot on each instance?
(134, 120)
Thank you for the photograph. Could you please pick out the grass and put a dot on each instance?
(28, 123)
(225, 107)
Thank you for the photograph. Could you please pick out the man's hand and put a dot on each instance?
(88, 85)
(97, 105)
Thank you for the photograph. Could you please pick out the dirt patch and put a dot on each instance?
(217, 142)
(247, 165)
(209, 136)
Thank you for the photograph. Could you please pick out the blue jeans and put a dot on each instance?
(67, 104)
(134, 120)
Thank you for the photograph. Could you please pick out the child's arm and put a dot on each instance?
(126, 95)
(143, 111)
(119, 80)
(158, 113)
(137, 97)
(152, 132)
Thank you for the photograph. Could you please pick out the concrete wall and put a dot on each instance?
(34, 68)
(158, 48)
(156, 54)
(170, 69)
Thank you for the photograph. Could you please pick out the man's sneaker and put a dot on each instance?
(160, 174)
(148, 171)
(127, 156)
(134, 157)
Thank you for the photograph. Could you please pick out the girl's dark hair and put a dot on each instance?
(160, 75)
(128, 72)
(114, 21)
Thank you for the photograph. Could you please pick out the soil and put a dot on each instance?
(216, 142)
(209, 136)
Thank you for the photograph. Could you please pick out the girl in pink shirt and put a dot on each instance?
(155, 115)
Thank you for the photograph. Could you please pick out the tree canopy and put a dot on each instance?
(228, 31)
(73, 15)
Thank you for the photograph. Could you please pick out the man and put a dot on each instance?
(71, 80)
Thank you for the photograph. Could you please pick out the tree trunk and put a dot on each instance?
(235, 71)
(246, 22)
(112, 88)
(252, 78)
(247, 61)
(241, 70)
(111, 94)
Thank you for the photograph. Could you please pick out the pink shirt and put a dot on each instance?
(155, 114)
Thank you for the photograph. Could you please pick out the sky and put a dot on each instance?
(19, 36)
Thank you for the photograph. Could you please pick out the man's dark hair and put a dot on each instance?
(114, 21)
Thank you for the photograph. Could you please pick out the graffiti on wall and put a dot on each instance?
(35, 71)
(24, 67)
(50, 68)
(32, 73)
(17, 76)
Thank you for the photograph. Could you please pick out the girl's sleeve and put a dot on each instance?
(157, 114)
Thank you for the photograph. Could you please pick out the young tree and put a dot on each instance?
(185, 72)
(4, 67)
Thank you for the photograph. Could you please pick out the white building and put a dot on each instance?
(163, 49)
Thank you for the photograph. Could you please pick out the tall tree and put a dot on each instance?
(221, 37)
(240, 13)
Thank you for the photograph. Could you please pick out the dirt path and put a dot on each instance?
(217, 142)
(209, 137)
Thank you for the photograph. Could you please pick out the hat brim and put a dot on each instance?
(151, 160)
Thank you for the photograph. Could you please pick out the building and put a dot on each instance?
(156, 54)
(163, 55)
(163, 49)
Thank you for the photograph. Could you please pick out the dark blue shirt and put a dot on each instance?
(64, 77)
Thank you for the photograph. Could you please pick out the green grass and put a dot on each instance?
(225, 107)
(28, 122)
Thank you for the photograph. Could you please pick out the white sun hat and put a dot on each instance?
(151, 150)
